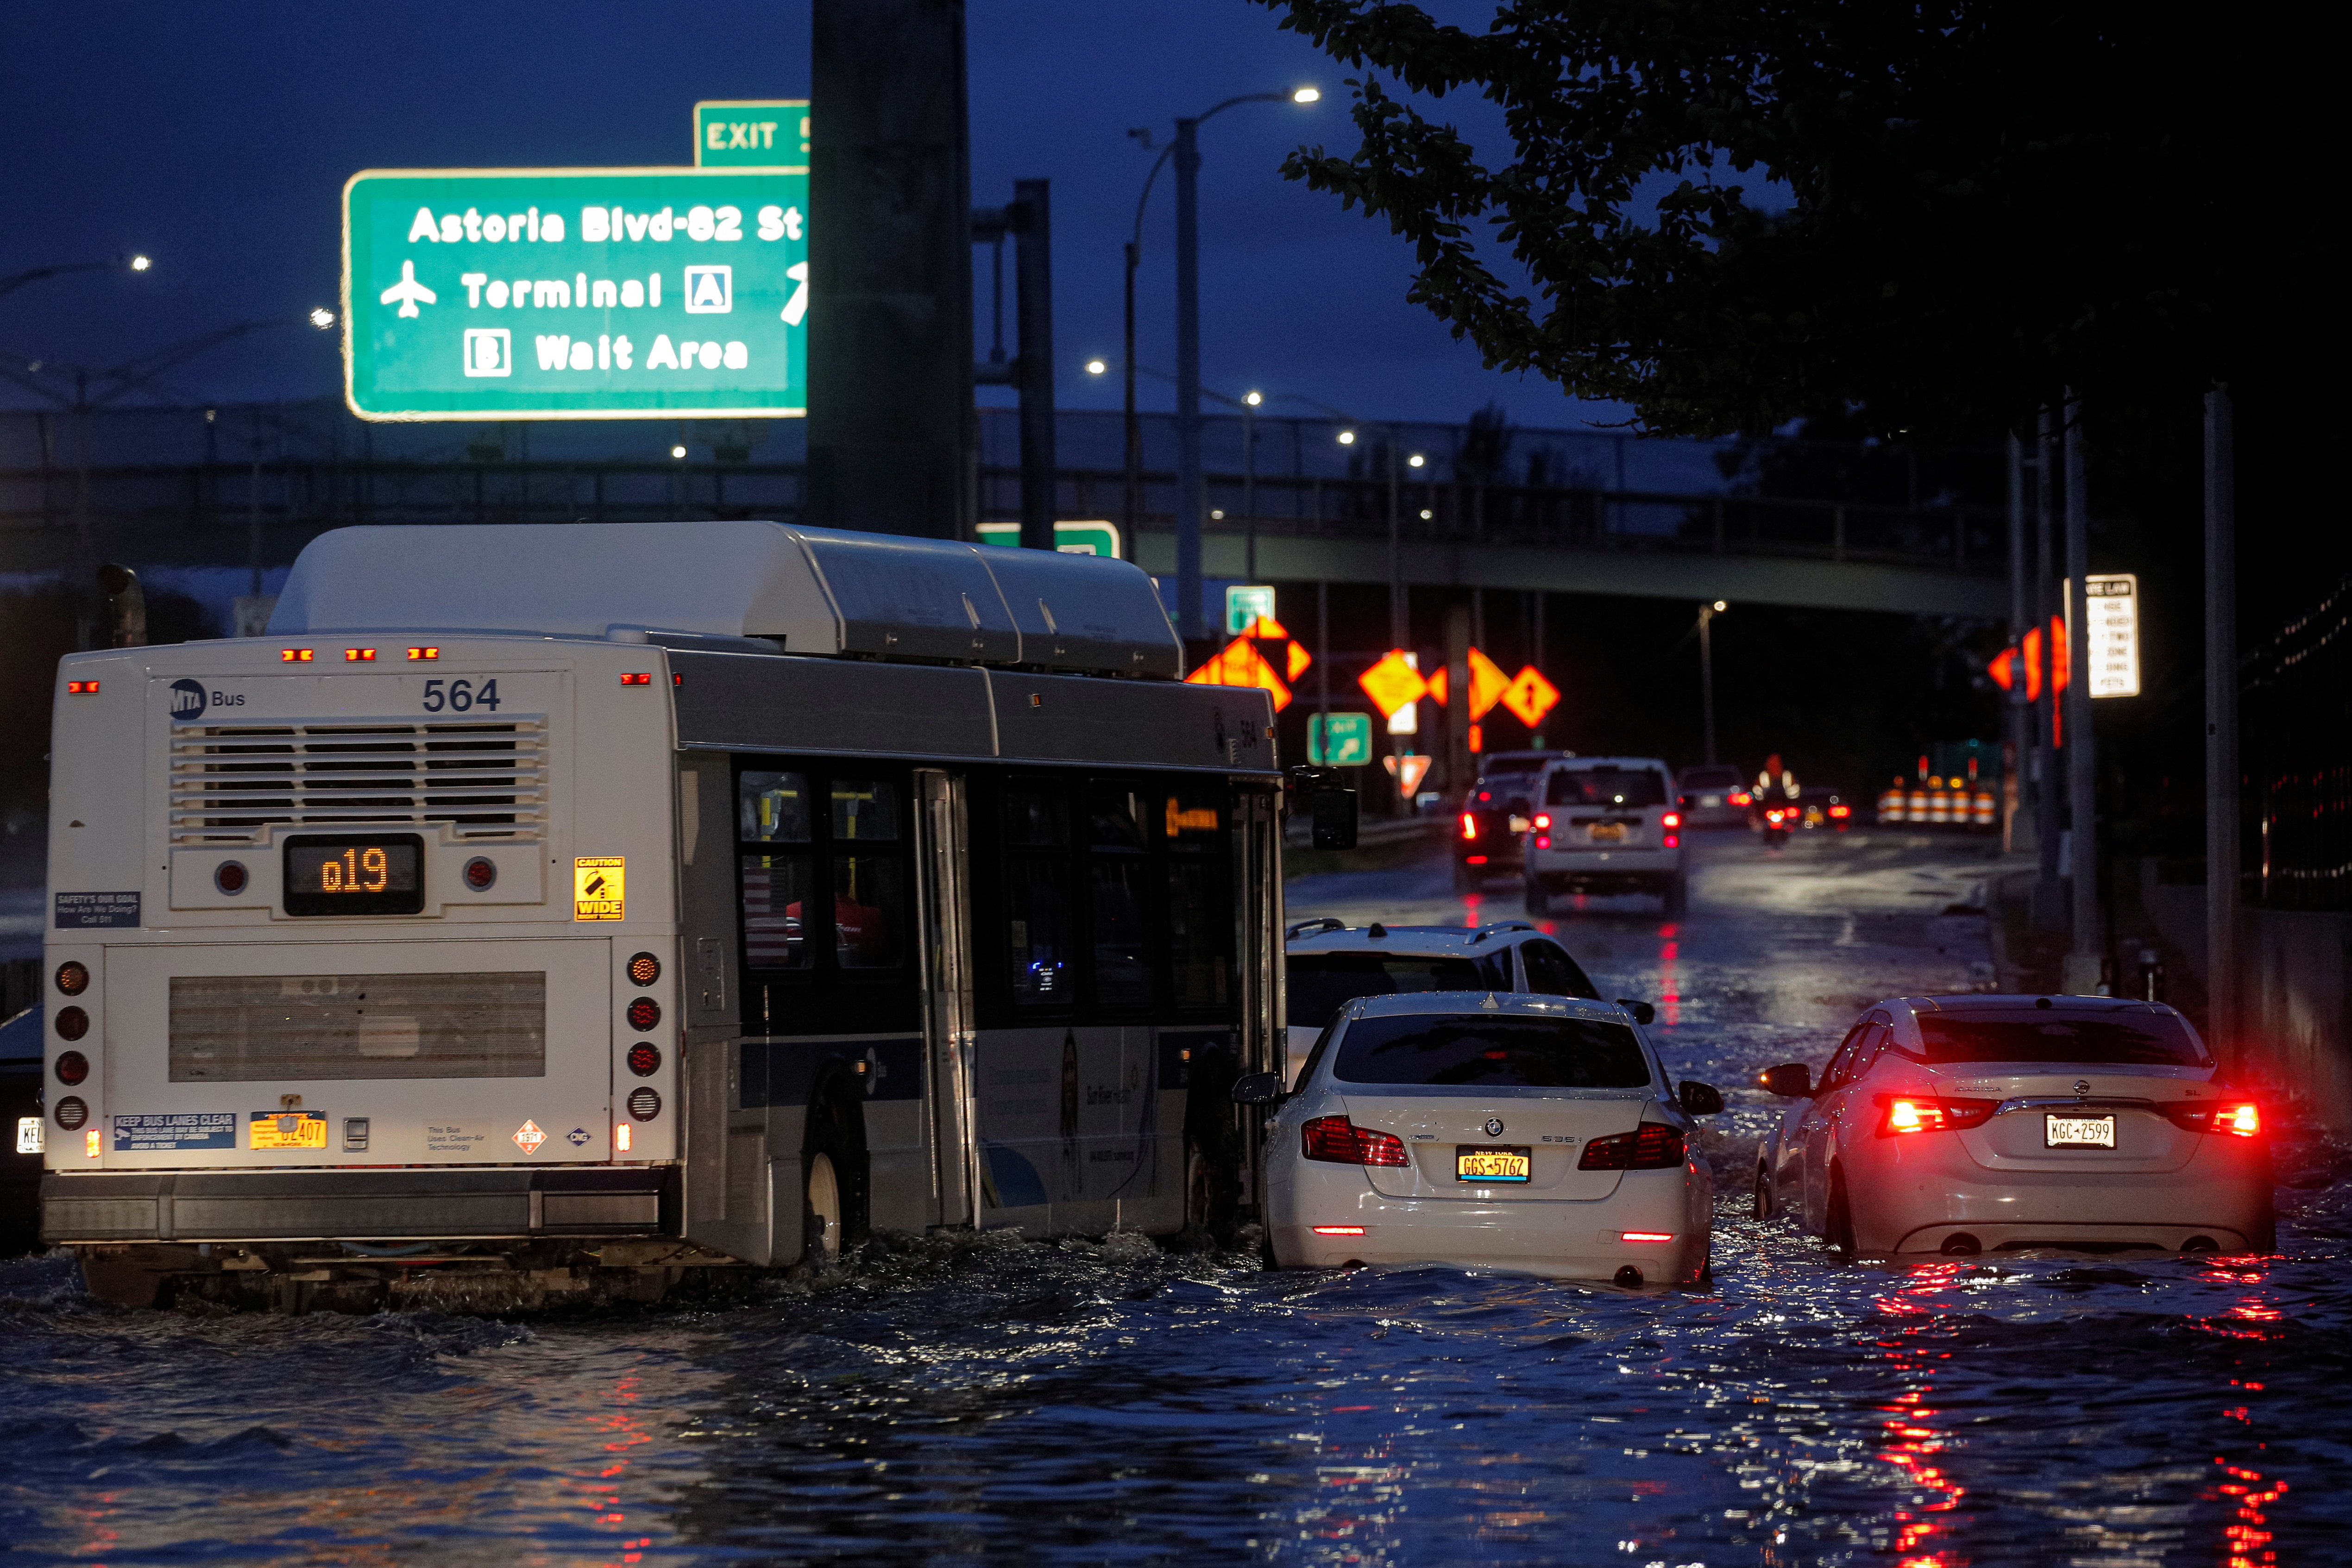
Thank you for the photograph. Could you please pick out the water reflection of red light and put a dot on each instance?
(1670, 984)
(1914, 1444)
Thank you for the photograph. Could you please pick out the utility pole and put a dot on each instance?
(1189, 502)
(1031, 218)
(2047, 889)
(2019, 720)
(2222, 1011)
(1400, 609)
(2082, 747)
(890, 439)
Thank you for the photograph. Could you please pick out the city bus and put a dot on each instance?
(544, 913)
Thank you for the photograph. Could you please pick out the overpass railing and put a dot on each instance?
(221, 511)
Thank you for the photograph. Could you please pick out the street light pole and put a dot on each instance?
(1191, 500)
(1706, 614)
(1249, 483)
(1188, 379)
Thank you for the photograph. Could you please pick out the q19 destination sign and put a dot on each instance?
(575, 293)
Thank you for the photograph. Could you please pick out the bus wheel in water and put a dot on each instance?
(821, 1233)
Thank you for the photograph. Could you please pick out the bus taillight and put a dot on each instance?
(645, 968)
(72, 1067)
(645, 1059)
(643, 1014)
(73, 977)
(619, 1138)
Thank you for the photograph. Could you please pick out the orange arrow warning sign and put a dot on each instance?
(1239, 663)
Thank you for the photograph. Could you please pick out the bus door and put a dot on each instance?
(1257, 898)
(942, 863)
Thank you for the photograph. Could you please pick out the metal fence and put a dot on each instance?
(2295, 727)
(187, 485)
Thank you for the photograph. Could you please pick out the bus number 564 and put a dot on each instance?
(460, 695)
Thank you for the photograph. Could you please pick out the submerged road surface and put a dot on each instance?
(991, 1400)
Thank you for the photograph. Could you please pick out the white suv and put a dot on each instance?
(1605, 825)
(1328, 964)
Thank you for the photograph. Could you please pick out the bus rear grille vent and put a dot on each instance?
(231, 782)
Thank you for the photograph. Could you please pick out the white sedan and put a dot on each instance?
(1967, 1124)
(1533, 1134)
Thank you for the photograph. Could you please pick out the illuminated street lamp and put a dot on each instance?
(16, 280)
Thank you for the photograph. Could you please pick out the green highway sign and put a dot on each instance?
(1244, 603)
(750, 134)
(1070, 539)
(575, 293)
(1339, 739)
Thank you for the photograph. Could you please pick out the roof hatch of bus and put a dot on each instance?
(813, 591)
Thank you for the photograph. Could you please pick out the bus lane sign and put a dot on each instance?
(598, 884)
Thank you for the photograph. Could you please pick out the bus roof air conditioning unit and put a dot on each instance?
(820, 591)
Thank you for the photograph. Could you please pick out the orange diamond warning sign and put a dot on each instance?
(1531, 697)
(1393, 683)
(528, 1137)
(597, 884)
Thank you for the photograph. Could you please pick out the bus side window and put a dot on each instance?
(1118, 894)
(1200, 913)
(869, 888)
(773, 809)
(1037, 893)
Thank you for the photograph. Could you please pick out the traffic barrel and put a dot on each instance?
(1890, 802)
(1939, 805)
(1983, 814)
(1917, 804)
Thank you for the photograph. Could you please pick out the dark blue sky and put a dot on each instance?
(217, 139)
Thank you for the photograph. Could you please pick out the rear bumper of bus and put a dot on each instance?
(364, 1206)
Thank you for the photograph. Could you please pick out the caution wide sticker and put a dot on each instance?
(597, 885)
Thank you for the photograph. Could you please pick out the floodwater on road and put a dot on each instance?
(969, 1398)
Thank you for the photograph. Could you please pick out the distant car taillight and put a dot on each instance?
(1469, 827)
(1652, 1147)
(1335, 1140)
(1740, 798)
(1923, 1113)
(1841, 811)
(2241, 1118)
(1673, 820)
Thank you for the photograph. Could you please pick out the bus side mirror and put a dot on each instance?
(1790, 1081)
(1699, 1099)
(1257, 1088)
(1643, 1013)
(1329, 804)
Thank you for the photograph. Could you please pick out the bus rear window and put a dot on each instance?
(1500, 1050)
(1321, 984)
(2032, 1035)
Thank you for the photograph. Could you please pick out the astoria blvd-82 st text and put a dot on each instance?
(575, 293)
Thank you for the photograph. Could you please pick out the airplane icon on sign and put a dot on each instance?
(408, 291)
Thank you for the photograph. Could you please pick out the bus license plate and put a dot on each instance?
(1608, 832)
(2078, 1132)
(1490, 1165)
(28, 1134)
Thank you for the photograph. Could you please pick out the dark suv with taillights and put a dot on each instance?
(1492, 819)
